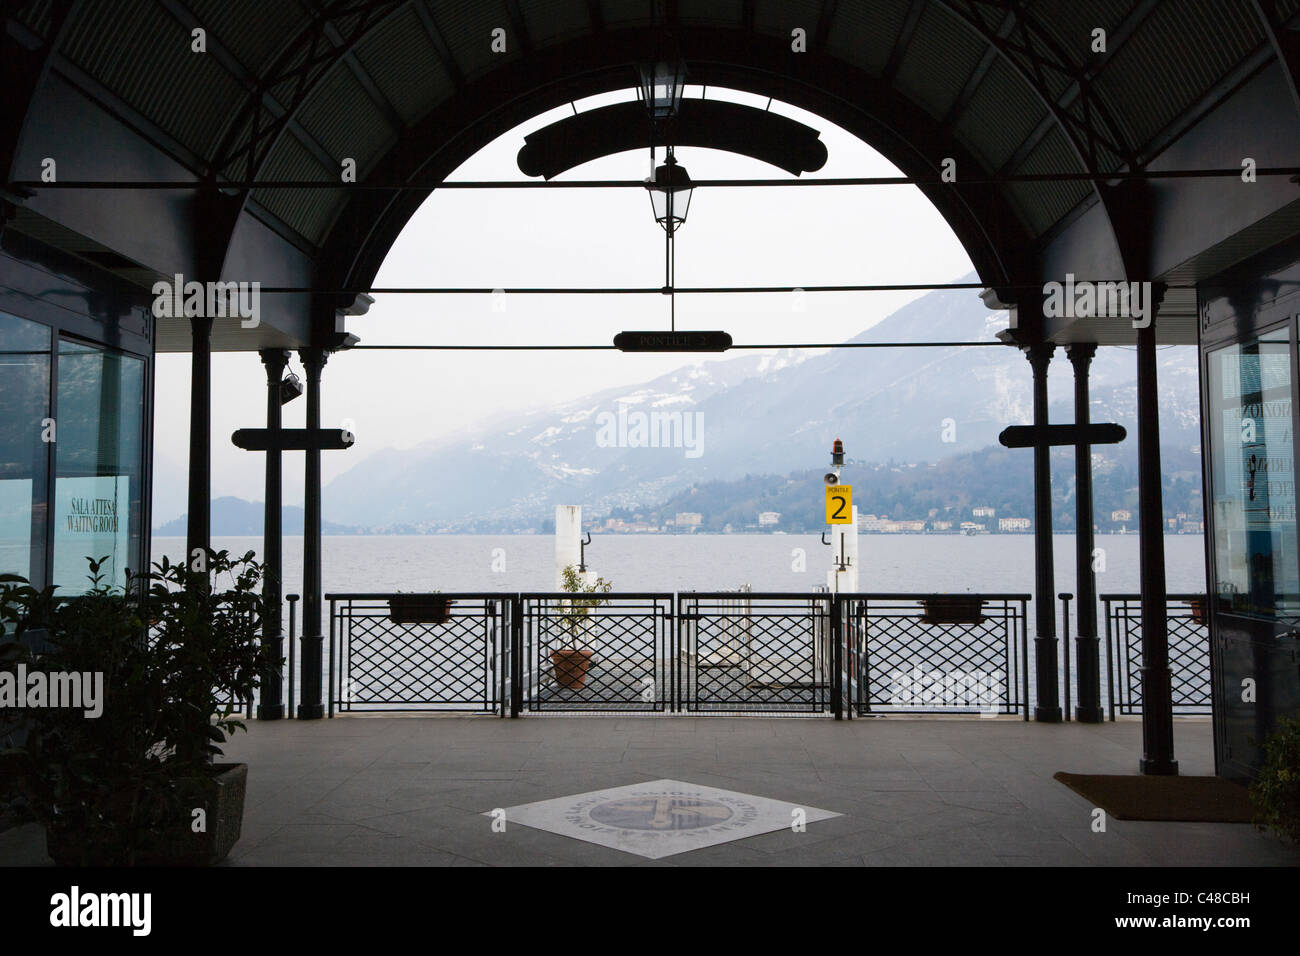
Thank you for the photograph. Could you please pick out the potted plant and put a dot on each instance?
(136, 783)
(571, 659)
(953, 609)
(1200, 609)
(1275, 793)
(419, 608)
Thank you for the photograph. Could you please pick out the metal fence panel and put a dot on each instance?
(608, 654)
(418, 651)
(912, 653)
(754, 653)
(1189, 652)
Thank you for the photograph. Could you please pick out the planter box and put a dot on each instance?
(418, 609)
(1200, 610)
(221, 796)
(953, 609)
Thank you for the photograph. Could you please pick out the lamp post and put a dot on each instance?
(670, 198)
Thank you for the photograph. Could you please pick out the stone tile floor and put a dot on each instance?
(412, 791)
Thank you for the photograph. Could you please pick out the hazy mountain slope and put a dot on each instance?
(768, 413)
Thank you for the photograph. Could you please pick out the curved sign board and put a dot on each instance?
(761, 134)
(672, 341)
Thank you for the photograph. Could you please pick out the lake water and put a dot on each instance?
(700, 562)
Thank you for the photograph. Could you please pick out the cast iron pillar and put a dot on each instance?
(1087, 647)
(272, 705)
(198, 531)
(313, 360)
(1157, 692)
(1048, 708)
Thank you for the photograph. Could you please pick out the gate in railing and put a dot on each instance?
(418, 651)
(583, 656)
(911, 653)
(1187, 624)
(723, 652)
(754, 653)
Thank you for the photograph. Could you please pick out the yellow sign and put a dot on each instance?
(839, 504)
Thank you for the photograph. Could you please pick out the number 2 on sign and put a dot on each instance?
(839, 504)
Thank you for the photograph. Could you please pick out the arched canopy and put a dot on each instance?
(409, 89)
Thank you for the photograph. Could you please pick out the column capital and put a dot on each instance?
(1039, 355)
(1081, 355)
(276, 361)
(313, 359)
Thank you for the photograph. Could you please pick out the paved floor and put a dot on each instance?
(413, 791)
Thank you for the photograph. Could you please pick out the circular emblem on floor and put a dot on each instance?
(661, 812)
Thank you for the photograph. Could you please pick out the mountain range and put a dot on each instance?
(770, 417)
(772, 413)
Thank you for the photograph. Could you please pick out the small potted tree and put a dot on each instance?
(571, 658)
(137, 782)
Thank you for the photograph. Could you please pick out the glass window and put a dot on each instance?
(24, 445)
(98, 483)
(1252, 476)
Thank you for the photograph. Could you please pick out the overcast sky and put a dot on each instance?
(581, 237)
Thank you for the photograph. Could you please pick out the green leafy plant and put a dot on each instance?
(575, 612)
(177, 649)
(1275, 793)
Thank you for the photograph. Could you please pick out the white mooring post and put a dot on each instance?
(844, 542)
(568, 540)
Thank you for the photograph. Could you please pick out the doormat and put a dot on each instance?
(1170, 799)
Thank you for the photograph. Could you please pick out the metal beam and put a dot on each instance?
(434, 32)
(1115, 40)
(904, 40)
(1285, 39)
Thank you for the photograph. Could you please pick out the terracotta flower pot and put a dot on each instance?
(1200, 610)
(571, 667)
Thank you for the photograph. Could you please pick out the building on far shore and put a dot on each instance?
(983, 511)
(768, 519)
(1014, 524)
(687, 520)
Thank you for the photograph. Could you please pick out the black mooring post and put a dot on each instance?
(272, 706)
(313, 360)
(1157, 690)
(1087, 646)
(1048, 708)
(836, 661)
(198, 531)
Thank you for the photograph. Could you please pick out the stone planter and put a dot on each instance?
(222, 799)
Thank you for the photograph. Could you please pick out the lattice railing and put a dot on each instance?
(1187, 624)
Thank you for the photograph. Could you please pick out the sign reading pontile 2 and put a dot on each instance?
(672, 341)
(839, 504)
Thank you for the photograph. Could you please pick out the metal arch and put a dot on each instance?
(1045, 55)
(980, 216)
(1285, 40)
(306, 60)
(18, 102)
